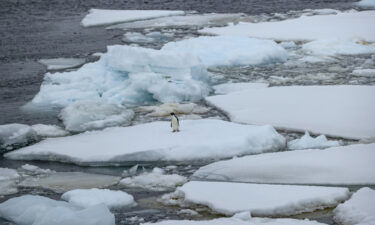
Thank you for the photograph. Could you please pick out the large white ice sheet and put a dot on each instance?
(261, 199)
(98, 17)
(344, 111)
(343, 25)
(351, 164)
(359, 209)
(198, 140)
(32, 210)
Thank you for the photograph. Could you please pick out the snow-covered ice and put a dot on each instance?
(8, 180)
(198, 140)
(155, 180)
(16, 135)
(166, 108)
(91, 115)
(229, 51)
(86, 198)
(178, 21)
(99, 17)
(343, 111)
(62, 63)
(66, 181)
(39, 210)
(261, 199)
(146, 76)
(331, 47)
(238, 220)
(360, 25)
(366, 3)
(351, 164)
(34, 170)
(364, 72)
(308, 142)
(44, 130)
(8, 174)
(359, 209)
(234, 87)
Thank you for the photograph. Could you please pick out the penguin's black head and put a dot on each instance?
(172, 113)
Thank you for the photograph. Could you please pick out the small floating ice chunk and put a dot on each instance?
(288, 44)
(299, 167)
(167, 108)
(308, 142)
(229, 51)
(136, 37)
(366, 3)
(31, 210)
(16, 135)
(99, 17)
(49, 130)
(91, 115)
(344, 111)
(8, 174)
(359, 209)
(156, 180)
(331, 47)
(234, 87)
(86, 198)
(364, 72)
(204, 139)
(62, 63)
(34, 170)
(261, 199)
(8, 180)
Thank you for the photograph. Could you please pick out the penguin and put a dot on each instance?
(175, 123)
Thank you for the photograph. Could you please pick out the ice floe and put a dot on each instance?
(16, 135)
(153, 37)
(233, 87)
(92, 115)
(62, 63)
(366, 3)
(44, 130)
(99, 17)
(34, 170)
(199, 20)
(343, 111)
(31, 210)
(167, 108)
(241, 219)
(307, 27)
(308, 142)
(337, 165)
(364, 72)
(86, 198)
(8, 180)
(66, 181)
(260, 199)
(228, 50)
(331, 47)
(204, 139)
(155, 180)
(128, 75)
(359, 209)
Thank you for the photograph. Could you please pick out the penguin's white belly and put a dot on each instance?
(175, 124)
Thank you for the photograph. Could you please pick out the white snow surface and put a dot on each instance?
(345, 25)
(261, 199)
(331, 47)
(350, 164)
(128, 75)
(234, 87)
(364, 72)
(38, 210)
(99, 17)
(237, 220)
(230, 50)
(155, 180)
(344, 111)
(308, 142)
(366, 3)
(178, 21)
(86, 198)
(359, 209)
(167, 108)
(199, 139)
(62, 63)
(15, 134)
(92, 115)
(49, 130)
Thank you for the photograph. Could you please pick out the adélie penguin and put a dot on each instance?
(175, 123)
